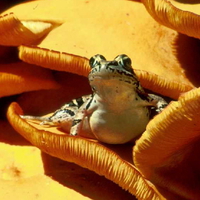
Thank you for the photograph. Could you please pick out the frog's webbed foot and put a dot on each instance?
(159, 102)
(61, 118)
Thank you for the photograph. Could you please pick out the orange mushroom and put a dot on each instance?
(87, 153)
(128, 31)
(182, 16)
(80, 65)
(54, 36)
(32, 174)
(167, 153)
(15, 32)
(41, 102)
(19, 77)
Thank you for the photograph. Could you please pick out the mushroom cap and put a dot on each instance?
(165, 62)
(19, 77)
(167, 152)
(115, 165)
(151, 47)
(183, 17)
(25, 168)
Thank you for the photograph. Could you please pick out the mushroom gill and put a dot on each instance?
(181, 16)
(167, 154)
(14, 32)
(79, 65)
(86, 153)
(19, 77)
(87, 34)
(55, 60)
(161, 85)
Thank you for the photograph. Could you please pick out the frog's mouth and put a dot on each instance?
(108, 69)
(114, 77)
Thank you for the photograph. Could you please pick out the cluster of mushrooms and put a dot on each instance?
(44, 51)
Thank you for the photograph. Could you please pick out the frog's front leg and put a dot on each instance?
(80, 123)
(77, 122)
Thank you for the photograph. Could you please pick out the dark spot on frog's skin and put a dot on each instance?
(76, 121)
(89, 103)
(116, 90)
(79, 102)
(93, 89)
(110, 69)
(70, 112)
(99, 68)
(126, 73)
(136, 99)
(127, 81)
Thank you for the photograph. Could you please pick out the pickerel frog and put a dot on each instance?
(117, 111)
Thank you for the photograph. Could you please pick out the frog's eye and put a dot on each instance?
(95, 60)
(125, 62)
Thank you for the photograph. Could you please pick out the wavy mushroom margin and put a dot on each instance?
(80, 65)
(167, 153)
(86, 153)
(164, 12)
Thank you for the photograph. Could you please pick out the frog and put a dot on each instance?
(117, 111)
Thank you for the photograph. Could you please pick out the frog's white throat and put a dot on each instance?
(115, 95)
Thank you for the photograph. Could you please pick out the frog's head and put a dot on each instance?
(109, 76)
(120, 66)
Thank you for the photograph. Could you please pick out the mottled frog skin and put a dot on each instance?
(117, 111)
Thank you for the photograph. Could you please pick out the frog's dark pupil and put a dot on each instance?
(102, 57)
(92, 61)
(127, 61)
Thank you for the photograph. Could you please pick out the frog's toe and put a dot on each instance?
(34, 118)
(46, 123)
(26, 116)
